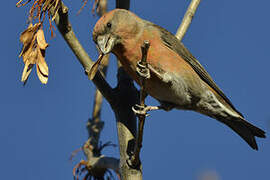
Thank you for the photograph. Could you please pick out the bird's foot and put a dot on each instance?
(142, 70)
(142, 110)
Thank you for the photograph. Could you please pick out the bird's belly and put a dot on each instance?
(170, 89)
(165, 87)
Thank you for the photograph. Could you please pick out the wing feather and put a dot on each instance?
(174, 44)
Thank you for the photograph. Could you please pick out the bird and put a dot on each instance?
(177, 79)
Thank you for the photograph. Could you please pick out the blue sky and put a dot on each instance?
(42, 124)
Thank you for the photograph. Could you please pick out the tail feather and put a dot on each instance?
(255, 131)
(246, 130)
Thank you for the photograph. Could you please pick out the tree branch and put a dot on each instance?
(126, 124)
(143, 71)
(126, 119)
(95, 163)
(187, 19)
(65, 28)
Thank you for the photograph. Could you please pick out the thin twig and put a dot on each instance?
(97, 164)
(141, 117)
(98, 96)
(187, 19)
(62, 22)
(95, 125)
(96, 121)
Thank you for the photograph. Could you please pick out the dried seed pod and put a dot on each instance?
(41, 40)
(33, 52)
(42, 68)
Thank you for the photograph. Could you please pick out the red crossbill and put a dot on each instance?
(177, 79)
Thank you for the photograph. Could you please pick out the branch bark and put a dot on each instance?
(64, 26)
(187, 19)
(126, 119)
(97, 163)
(142, 69)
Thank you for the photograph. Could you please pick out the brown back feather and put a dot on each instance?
(174, 44)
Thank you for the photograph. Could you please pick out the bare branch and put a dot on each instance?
(142, 69)
(106, 163)
(126, 124)
(65, 28)
(98, 96)
(123, 4)
(126, 119)
(102, 7)
(95, 125)
(97, 166)
(187, 19)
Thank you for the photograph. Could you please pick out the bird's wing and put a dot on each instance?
(174, 44)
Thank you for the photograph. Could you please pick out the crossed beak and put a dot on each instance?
(105, 43)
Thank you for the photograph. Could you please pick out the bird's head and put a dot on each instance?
(114, 28)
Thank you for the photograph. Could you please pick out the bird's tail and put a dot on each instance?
(246, 130)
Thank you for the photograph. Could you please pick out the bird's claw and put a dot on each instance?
(140, 110)
(143, 70)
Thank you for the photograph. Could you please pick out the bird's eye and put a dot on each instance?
(109, 25)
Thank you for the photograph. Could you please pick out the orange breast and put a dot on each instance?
(163, 60)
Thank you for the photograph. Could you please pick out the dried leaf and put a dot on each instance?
(41, 40)
(26, 71)
(43, 78)
(33, 52)
(42, 64)
(27, 35)
(42, 68)
(26, 52)
(94, 68)
(32, 56)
